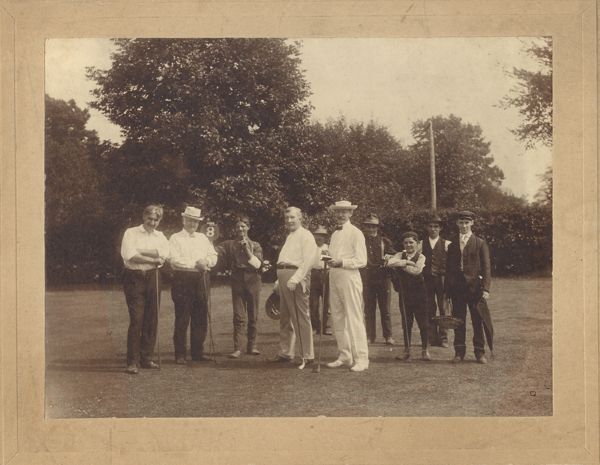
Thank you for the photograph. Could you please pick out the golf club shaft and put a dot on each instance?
(158, 318)
(298, 325)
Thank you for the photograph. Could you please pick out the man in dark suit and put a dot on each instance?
(435, 249)
(376, 280)
(468, 279)
(244, 258)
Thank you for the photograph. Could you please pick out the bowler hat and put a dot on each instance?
(466, 215)
(343, 205)
(373, 219)
(321, 230)
(192, 213)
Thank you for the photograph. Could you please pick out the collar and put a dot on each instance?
(410, 255)
(143, 230)
(467, 236)
(433, 241)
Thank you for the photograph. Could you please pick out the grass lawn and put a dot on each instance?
(86, 331)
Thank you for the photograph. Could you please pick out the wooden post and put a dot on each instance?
(432, 169)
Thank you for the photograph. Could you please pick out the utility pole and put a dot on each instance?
(432, 169)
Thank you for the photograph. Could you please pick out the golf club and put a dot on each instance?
(157, 318)
(208, 311)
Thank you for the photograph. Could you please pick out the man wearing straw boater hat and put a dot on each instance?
(348, 254)
(144, 250)
(244, 258)
(467, 282)
(191, 257)
(376, 280)
(319, 290)
(294, 263)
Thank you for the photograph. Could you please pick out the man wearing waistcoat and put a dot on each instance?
(376, 280)
(435, 250)
(243, 257)
(467, 281)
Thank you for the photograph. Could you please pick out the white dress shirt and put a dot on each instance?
(415, 268)
(186, 249)
(300, 249)
(464, 238)
(348, 245)
(137, 238)
(433, 242)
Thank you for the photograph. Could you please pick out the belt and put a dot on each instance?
(284, 266)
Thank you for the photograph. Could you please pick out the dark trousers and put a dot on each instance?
(414, 309)
(190, 298)
(245, 295)
(142, 303)
(434, 288)
(319, 292)
(377, 291)
(462, 298)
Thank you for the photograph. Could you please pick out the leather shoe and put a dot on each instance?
(389, 341)
(149, 364)
(202, 358)
(131, 369)
(338, 363)
(253, 351)
(180, 361)
(280, 359)
(481, 359)
(405, 357)
(425, 356)
(327, 332)
(444, 344)
(457, 359)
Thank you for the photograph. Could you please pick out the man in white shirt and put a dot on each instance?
(294, 264)
(144, 250)
(348, 254)
(191, 257)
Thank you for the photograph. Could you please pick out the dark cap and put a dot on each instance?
(242, 219)
(434, 219)
(412, 234)
(465, 215)
(372, 218)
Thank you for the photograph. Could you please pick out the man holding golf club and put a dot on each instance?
(191, 257)
(244, 258)
(294, 264)
(348, 253)
(144, 250)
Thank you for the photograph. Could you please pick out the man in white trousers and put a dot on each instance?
(294, 264)
(348, 253)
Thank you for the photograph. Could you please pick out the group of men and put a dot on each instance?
(351, 277)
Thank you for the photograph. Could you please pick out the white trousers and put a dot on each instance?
(346, 304)
(294, 322)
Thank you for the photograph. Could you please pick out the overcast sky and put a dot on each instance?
(390, 81)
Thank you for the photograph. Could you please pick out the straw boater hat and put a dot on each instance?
(373, 219)
(192, 213)
(321, 230)
(343, 205)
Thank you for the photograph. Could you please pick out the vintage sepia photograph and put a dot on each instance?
(302, 227)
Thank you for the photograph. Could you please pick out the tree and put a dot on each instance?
(74, 201)
(532, 96)
(219, 122)
(464, 167)
(544, 194)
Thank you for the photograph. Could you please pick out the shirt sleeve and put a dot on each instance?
(359, 260)
(211, 257)
(176, 257)
(257, 256)
(309, 254)
(446, 244)
(416, 268)
(128, 249)
(164, 250)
